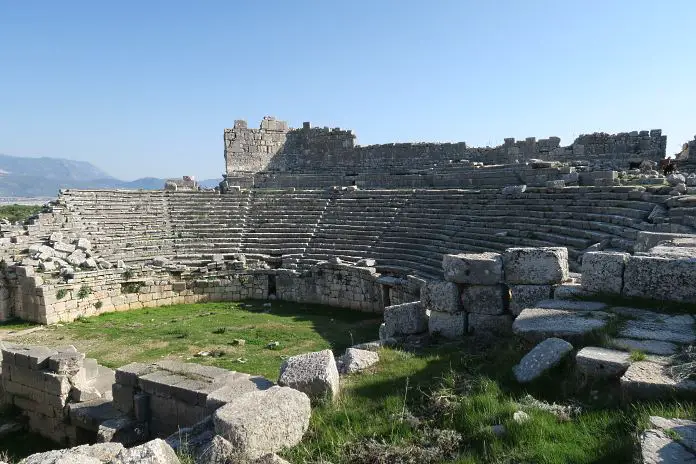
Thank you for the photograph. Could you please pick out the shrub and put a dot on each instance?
(84, 292)
(98, 305)
(60, 294)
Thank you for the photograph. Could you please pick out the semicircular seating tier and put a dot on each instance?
(402, 229)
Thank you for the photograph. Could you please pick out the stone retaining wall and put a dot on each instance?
(91, 293)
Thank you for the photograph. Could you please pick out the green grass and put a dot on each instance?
(637, 355)
(436, 405)
(16, 212)
(182, 331)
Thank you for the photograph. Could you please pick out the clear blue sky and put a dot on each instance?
(145, 88)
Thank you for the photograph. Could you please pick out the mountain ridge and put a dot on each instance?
(45, 176)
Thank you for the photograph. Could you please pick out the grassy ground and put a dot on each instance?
(436, 405)
(182, 331)
(18, 212)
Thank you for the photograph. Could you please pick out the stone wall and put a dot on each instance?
(45, 383)
(283, 153)
(332, 284)
(91, 293)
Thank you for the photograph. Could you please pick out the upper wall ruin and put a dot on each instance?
(275, 147)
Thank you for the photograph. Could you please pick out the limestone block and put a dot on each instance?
(525, 296)
(500, 324)
(156, 451)
(264, 422)
(541, 358)
(68, 363)
(484, 299)
(83, 244)
(236, 385)
(63, 247)
(660, 278)
(439, 295)
(645, 380)
(536, 266)
(473, 268)
(598, 362)
(602, 271)
(447, 325)
(128, 375)
(85, 454)
(314, 374)
(404, 319)
(535, 324)
(356, 360)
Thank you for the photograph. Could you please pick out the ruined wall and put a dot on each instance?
(250, 150)
(340, 285)
(279, 150)
(46, 384)
(95, 292)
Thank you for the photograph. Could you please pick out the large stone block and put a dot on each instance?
(525, 296)
(156, 451)
(596, 362)
(264, 422)
(439, 295)
(536, 266)
(314, 374)
(447, 325)
(660, 278)
(404, 319)
(473, 268)
(542, 357)
(484, 299)
(602, 271)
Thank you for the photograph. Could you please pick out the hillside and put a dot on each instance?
(43, 177)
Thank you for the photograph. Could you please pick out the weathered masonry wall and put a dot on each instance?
(45, 384)
(95, 292)
(275, 148)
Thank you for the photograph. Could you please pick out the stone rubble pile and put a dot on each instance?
(64, 255)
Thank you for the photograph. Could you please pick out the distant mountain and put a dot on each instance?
(43, 177)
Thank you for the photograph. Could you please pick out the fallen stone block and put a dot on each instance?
(536, 324)
(156, 451)
(536, 266)
(596, 362)
(541, 358)
(646, 380)
(681, 432)
(602, 272)
(483, 299)
(646, 346)
(263, 422)
(355, 360)
(404, 319)
(473, 268)
(314, 374)
(237, 385)
(85, 454)
(447, 325)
